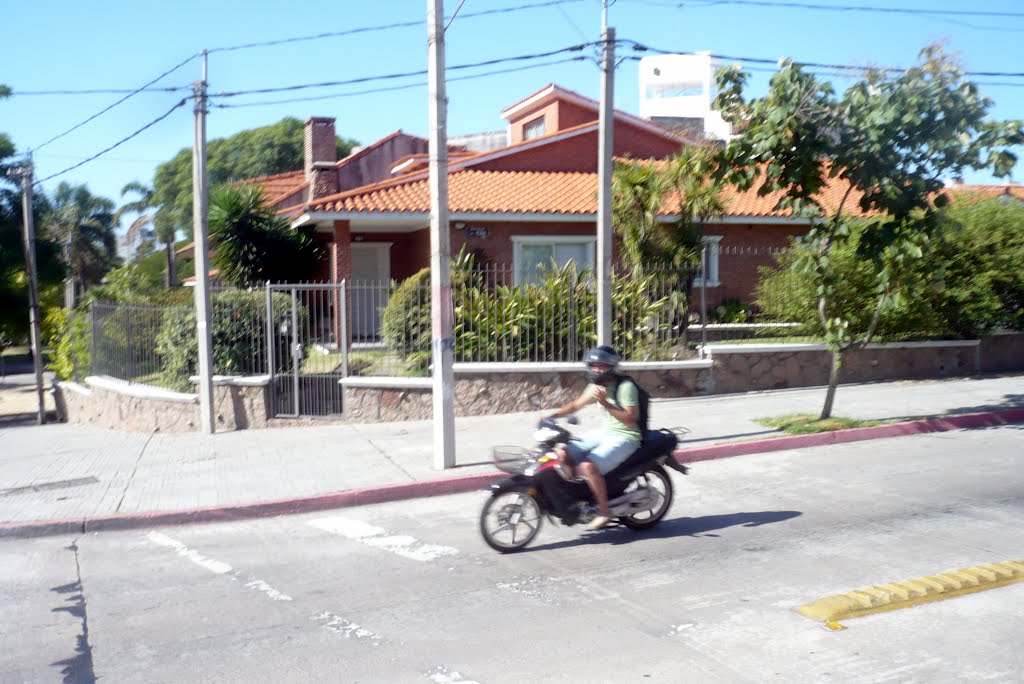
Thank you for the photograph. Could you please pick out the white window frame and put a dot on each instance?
(519, 240)
(530, 128)
(711, 242)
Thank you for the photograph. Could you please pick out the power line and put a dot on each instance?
(107, 109)
(407, 74)
(103, 91)
(385, 27)
(117, 144)
(405, 86)
(641, 47)
(863, 8)
(941, 15)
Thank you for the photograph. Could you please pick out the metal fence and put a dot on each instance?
(294, 333)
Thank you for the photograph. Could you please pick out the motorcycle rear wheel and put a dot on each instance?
(510, 520)
(660, 483)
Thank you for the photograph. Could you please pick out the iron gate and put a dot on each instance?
(307, 358)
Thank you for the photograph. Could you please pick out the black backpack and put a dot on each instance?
(643, 403)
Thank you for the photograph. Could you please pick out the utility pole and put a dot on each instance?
(441, 316)
(201, 244)
(33, 285)
(604, 183)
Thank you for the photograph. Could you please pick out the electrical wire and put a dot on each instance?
(103, 91)
(641, 47)
(405, 86)
(120, 142)
(107, 109)
(385, 27)
(939, 15)
(407, 74)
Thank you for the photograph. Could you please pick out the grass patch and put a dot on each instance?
(804, 424)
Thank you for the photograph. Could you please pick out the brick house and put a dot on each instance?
(527, 202)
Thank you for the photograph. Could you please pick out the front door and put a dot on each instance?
(371, 275)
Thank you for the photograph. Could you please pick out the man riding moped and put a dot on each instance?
(601, 451)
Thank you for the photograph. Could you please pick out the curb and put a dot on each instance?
(263, 509)
(469, 483)
(911, 427)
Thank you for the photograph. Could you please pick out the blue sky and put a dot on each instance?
(111, 44)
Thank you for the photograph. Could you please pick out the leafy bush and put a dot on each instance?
(72, 349)
(405, 324)
(976, 264)
(981, 255)
(237, 328)
(731, 310)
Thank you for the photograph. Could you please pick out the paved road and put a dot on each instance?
(407, 592)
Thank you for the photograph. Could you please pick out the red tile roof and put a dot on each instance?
(570, 193)
(528, 192)
(278, 185)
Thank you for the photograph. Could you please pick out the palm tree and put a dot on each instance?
(84, 224)
(165, 233)
(252, 244)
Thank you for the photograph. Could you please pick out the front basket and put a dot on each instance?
(510, 459)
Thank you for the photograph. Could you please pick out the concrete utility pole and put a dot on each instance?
(442, 344)
(604, 183)
(33, 285)
(201, 244)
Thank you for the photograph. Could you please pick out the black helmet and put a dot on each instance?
(603, 355)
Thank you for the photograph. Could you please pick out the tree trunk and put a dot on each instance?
(833, 382)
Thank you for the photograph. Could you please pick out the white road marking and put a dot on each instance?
(185, 552)
(371, 535)
(216, 566)
(346, 628)
(442, 675)
(260, 585)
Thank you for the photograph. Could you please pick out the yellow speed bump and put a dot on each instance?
(913, 592)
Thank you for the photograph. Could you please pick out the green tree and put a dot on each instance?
(84, 225)
(252, 244)
(13, 275)
(257, 152)
(888, 141)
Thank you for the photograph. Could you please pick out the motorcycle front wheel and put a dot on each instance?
(660, 485)
(510, 520)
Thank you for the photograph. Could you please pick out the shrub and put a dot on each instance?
(72, 348)
(731, 310)
(237, 328)
(405, 324)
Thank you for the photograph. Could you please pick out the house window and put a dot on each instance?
(535, 254)
(533, 129)
(712, 252)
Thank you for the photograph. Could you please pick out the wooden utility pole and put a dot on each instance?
(442, 345)
(200, 226)
(606, 126)
(33, 286)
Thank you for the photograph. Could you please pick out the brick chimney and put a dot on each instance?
(320, 155)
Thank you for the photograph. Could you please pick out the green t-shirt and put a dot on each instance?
(625, 395)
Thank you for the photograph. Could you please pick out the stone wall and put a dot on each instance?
(118, 405)
(509, 388)
(750, 368)
(1002, 352)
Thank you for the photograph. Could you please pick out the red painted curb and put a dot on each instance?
(263, 509)
(468, 483)
(912, 427)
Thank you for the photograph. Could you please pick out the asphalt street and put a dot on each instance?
(408, 592)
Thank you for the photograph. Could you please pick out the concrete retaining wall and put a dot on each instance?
(482, 389)
(118, 405)
(748, 368)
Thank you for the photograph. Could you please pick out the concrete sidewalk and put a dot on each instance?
(64, 478)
